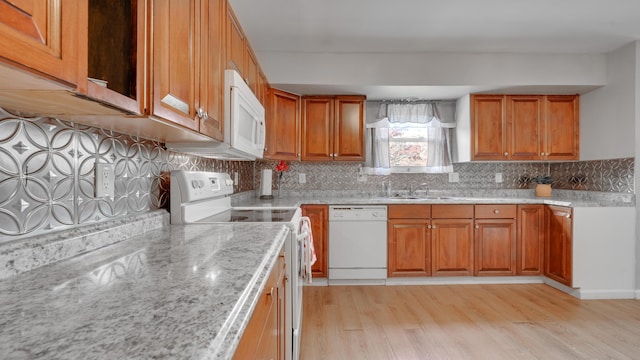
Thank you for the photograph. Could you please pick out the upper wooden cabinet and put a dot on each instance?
(283, 126)
(524, 127)
(45, 37)
(333, 128)
(116, 53)
(186, 73)
(240, 55)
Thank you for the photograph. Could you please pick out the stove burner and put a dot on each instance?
(238, 218)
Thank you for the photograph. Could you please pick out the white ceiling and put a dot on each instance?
(433, 26)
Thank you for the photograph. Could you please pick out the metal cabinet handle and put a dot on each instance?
(202, 113)
(270, 293)
(506, 153)
(477, 226)
(496, 211)
(428, 226)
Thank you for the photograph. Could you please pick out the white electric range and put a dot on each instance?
(198, 197)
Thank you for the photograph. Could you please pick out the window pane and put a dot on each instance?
(407, 133)
(407, 153)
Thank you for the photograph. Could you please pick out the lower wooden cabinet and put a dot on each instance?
(409, 240)
(452, 240)
(495, 240)
(265, 337)
(319, 216)
(409, 247)
(530, 243)
(480, 240)
(558, 244)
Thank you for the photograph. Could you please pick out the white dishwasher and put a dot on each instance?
(357, 242)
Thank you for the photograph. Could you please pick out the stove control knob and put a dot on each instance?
(200, 183)
(228, 182)
(194, 184)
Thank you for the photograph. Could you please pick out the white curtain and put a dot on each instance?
(438, 117)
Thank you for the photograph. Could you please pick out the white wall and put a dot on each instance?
(608, 114)
(434, 69)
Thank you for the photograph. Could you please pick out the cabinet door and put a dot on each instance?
(452, 247)
(561, 132)
(409, 248)
(175, 66)
(117, 52)
(524, 117)
(530, 241)
(46, 36)
(349, 128)
(252, 69)
(495, 247)
(488, 136)
(211, 89)
(317, 128)
(260, 337)
(558, 244)
(236, 47)
(283, 126)
(319, 216)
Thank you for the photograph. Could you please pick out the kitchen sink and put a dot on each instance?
(407, 197)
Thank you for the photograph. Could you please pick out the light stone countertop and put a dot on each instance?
(177, 292)
(560, 197)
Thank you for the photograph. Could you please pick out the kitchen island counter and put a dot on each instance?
(179, 292)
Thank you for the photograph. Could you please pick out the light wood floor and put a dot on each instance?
(532, 321)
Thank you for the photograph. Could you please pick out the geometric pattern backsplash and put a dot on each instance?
(602, 175)
(47, 174)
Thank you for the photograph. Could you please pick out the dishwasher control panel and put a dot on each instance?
(357, 213)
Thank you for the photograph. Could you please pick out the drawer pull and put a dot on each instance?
(270, 293)
(496, 211)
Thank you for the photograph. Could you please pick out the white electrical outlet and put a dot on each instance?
(235, 178)
(498, 177)
(105, 178)
(302, 178)
(454, 177)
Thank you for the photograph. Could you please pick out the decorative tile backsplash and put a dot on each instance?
(604, 175)
(47, 174)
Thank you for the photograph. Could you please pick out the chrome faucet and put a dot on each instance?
(412, 190)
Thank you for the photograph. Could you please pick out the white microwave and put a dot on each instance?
(244, 125)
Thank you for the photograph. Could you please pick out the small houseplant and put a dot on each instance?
(543, 185)
(280, 169)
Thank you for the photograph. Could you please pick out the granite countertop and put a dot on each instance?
(179, 292)
(560, 197)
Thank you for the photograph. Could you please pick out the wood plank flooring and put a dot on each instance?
(531, 321)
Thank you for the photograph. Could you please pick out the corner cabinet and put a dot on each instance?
(558, 254)
(524, 127)
(333, 128)
(283, 126)
(187, 76)
(45, 37)
(319, 216)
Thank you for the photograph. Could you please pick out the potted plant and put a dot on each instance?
(543, 185)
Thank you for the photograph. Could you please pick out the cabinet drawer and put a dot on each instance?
(439, 211)
(410, 211)
(492, 211)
